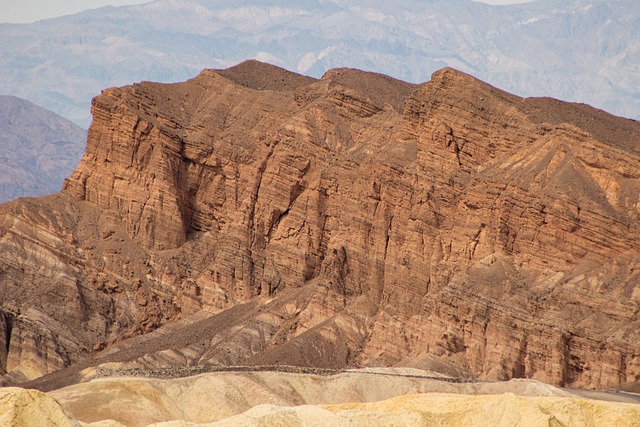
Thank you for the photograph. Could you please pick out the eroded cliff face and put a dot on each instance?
(366, 221)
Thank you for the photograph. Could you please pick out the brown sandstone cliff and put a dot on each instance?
(363, 220)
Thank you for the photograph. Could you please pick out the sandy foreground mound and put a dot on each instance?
(434, 409)
(370, 397)
(131, 402)
(20, 407)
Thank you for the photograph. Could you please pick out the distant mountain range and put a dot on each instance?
(38, 149)
(577, 50)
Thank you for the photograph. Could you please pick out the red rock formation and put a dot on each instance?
(448, 226)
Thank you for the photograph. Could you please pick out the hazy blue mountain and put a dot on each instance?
(38, 149)
(576, 50)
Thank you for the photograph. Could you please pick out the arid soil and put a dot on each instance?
(291, 397)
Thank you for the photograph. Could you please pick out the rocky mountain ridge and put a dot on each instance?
(578, 50)
(267, 218)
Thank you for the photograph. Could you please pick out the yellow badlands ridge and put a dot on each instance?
(20, 407)
(277, 399)
(500, 410)
(446, 410)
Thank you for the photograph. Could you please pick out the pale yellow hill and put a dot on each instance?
(373, 397)
(215, 396)
(19, 407)
(439, 410)
(31, 408)
(499, 410)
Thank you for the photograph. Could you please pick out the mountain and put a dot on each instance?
(38, 149)
(254, 216)
(578, 50)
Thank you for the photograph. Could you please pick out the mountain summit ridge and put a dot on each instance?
(582, 50)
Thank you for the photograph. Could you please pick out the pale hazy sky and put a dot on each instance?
(25, 11)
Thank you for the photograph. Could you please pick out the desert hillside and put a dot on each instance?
(254, 216)
(113, 397)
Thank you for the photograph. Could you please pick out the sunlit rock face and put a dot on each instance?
(352, 220)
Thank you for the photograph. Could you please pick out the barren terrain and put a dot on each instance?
(253, 216)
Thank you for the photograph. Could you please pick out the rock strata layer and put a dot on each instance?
(353, 220)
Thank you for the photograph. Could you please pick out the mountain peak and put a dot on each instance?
(450, 79)
(375, 85)
(522, 49)
(259, 75)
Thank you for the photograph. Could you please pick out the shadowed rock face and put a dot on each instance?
(350, 220)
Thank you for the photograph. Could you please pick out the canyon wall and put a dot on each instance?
(448, 226)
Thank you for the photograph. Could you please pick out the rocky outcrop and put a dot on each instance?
(350, 220)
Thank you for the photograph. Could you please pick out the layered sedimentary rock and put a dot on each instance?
(354, 220)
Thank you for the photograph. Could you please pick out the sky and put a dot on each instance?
(26, 11)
